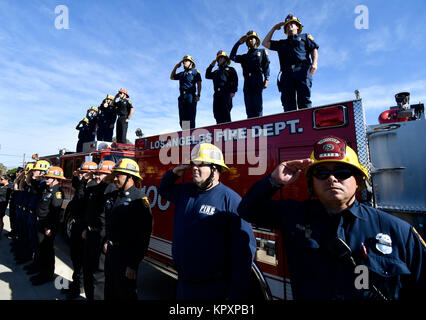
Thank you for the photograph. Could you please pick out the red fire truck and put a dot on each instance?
(254, 147)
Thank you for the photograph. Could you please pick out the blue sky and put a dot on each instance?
(49, 77)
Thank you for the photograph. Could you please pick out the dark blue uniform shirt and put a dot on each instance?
(309, 232)
(294, 50)
(210, 240)
(224, 78)
(254, 61)
(187, 80)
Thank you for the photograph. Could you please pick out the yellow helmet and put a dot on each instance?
(189, 58)
(291, 18)
(29, 167)
(208, 153)
(128, 166)
(55, 172)
(252, 34)
(334, 149)
(42, 165)
(222, 53)
(93, 109)
(110, 97)
(85, 120)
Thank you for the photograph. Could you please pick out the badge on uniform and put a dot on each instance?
(258, 53)
(310, 37)
(145, 202)
(383, 243)
(58, 195)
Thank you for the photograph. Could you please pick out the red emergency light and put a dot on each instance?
(329, 117)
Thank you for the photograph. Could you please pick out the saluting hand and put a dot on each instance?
(242, 39)
(180, 170)
(213, 63)
(288, 171)
(278, 25)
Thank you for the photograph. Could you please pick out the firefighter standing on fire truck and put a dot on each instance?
(107, 116)
(255, 64)
(213, 247)
(128, 230)
(296, 66)
(326, 239)
(94, 232)
(125, 111)
(225, 82)
(190, 90)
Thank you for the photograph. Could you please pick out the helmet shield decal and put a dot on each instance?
(330, 148)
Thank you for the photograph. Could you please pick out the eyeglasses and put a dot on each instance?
(339, 173)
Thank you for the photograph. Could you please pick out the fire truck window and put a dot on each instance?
(115, 158)
(96, 158)
(78, 162)
(68, 166)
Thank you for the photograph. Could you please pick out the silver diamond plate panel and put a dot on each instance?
(361, 134)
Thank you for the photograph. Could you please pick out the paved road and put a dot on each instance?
(15, 284)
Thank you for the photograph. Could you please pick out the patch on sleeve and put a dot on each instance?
(58, 195)
(130, 102)
(145, 202)
(310, 37)
(266, 52)
(420, 237)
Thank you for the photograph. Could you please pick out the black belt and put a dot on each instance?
(91, 229)
(253, 73)
(187, 91)
(292, 66)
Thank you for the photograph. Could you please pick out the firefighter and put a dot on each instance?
(30, 210)
(92, 115)
(128, 230)
(125, 111)
(213, 248)
(225, 82)
(12, 208)
(80, 179)
(328, 238)
(190, 90)
(84, 134)
(21, 186)
(297, 69)
(255, 65)
(94, 232)
(107, 116)
(5, 193)
(48, 212)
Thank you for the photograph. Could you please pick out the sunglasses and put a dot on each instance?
(339, 173)
(200, 164)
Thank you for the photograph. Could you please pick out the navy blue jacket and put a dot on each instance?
(254, 61)
(210, 240)
(225, 78)
(316, 273)
(187, 80)
(294, 50)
